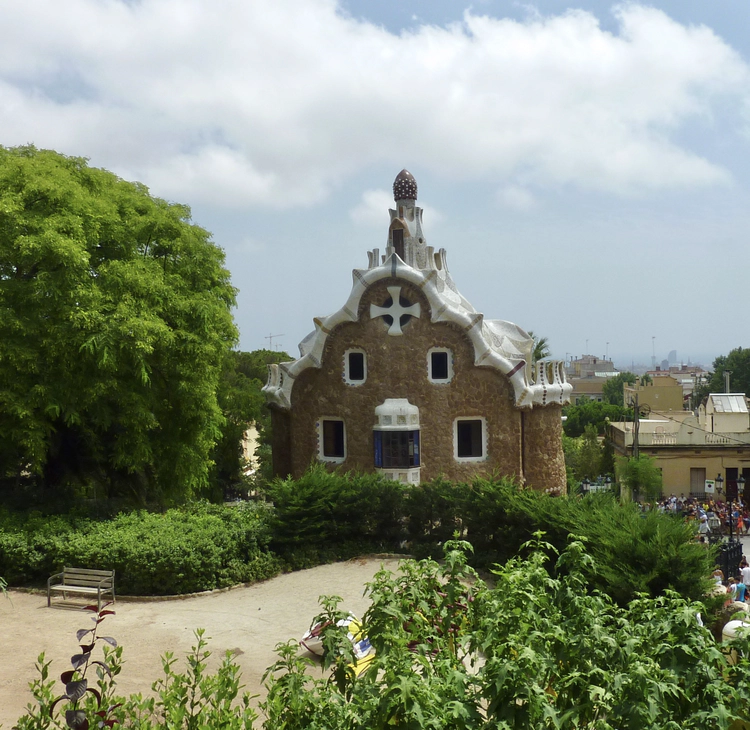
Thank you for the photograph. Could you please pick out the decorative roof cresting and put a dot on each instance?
(404, 186)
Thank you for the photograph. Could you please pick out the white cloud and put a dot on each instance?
(516, 197)
(278, 103)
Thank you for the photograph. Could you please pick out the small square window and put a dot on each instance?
(331, 439)
(440, 365)
(470, 437)
(355, 367)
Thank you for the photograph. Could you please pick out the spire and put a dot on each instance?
(404, 186)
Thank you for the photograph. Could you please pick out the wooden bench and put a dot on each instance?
(85, 581)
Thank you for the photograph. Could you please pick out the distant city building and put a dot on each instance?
(587, 375)
(688, 376)
(661, 394)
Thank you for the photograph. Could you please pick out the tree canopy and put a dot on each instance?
(114, 322)
(641, 476)
(541, 347)
(592, 412)
(613, 389)
(738, 363)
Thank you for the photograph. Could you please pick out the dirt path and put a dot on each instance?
(248, 621)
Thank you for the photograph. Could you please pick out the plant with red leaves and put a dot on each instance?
(76, 682)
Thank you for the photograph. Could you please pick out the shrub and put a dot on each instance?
(554, 654)
(181, 551)
(327, 516)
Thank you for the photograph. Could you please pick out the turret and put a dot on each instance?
(405, 237)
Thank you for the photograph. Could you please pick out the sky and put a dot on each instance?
(585, 165)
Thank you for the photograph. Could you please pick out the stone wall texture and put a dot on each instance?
(521, 444)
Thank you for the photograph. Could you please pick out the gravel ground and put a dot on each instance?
(249, 621)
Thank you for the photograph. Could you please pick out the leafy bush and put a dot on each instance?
(327, 516)
(181, 551)
(186, 700)
(538, 650)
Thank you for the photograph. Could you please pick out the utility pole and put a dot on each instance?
(636, 425)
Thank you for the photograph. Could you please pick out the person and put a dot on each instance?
(732, 589)
(745, 572)
(741, 588)
(703, 528)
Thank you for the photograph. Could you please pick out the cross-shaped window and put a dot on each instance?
(396, 311)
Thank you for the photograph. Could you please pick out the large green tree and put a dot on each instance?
(738, 364)
(592, 412)
(114, 323)
(541, 347)
(613, 389)
(641, 476)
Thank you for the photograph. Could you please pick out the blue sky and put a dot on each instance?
(584, 164)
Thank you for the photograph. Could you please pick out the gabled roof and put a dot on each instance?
(497, 344)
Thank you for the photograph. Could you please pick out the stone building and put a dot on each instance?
(409, 380)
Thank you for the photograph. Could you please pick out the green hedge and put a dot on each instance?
(326, 516)
(181, 551)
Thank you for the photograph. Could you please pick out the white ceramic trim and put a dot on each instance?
(538, 385)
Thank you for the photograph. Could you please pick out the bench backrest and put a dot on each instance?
(86, 577)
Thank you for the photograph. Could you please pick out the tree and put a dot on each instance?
(592, 412)
(115, 324)
(541, 347)
(243, 404)
(613, 389)
(589, 454)
(641, 476)
(738, 363)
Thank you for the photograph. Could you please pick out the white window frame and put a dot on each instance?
(449, 353)
(463, 459)
(321, 436)
(347, 379)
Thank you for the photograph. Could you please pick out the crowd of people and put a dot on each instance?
(711, 515)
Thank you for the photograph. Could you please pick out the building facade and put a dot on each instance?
(587, 376)
(664, 393)
(408, 380)
(692, 448)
